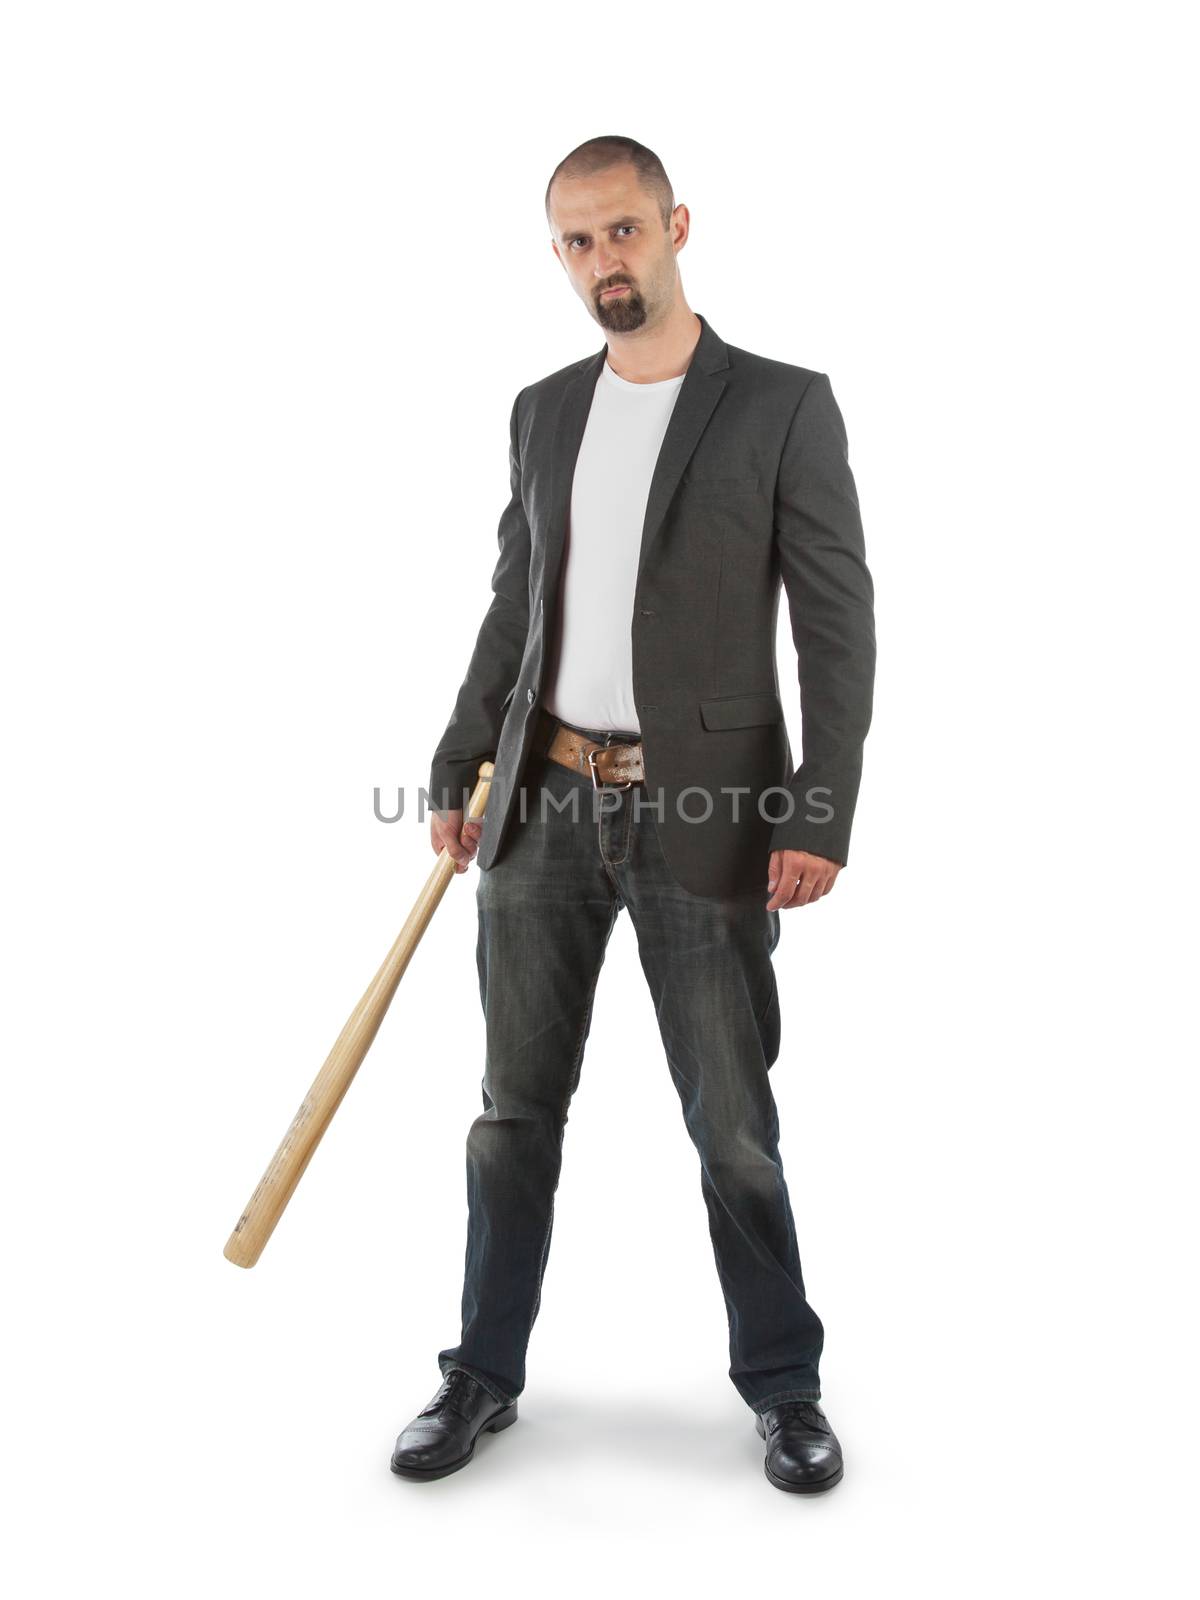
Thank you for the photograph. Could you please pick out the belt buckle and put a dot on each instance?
(597, 781)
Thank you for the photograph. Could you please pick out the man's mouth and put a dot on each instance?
(620, 288)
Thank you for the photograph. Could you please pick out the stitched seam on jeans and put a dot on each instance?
(773, 992)
(562, 1115)
(616, 860)
(761, 1014)
(785, 1394)
(604, 861)
(627, 808)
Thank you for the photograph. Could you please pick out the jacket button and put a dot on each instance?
(530, 696)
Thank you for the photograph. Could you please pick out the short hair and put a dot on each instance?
(611, 150)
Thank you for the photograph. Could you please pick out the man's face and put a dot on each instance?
(609, 235)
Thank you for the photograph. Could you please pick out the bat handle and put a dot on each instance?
(476, 805)
(479, 795)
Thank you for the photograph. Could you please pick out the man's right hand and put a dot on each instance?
(447, 831)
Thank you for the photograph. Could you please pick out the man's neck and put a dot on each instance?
(651, 354)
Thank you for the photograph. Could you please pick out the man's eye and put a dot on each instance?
(626, 227)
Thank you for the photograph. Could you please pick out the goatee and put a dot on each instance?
(621, 313)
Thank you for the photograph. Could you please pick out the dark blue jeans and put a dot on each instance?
(546, 909)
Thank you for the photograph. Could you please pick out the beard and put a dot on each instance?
(623, 313)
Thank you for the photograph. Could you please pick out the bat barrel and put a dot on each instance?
(278, 1183)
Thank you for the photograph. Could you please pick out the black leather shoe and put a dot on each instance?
(803, 1453)
(441, 1438)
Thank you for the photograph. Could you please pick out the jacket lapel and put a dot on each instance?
(698, 395)
(568, 436)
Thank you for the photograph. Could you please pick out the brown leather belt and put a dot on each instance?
(619, 765)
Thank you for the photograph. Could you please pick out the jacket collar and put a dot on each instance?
(699, 392)
(709, 355)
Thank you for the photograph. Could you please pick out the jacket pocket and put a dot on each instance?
(741, 710)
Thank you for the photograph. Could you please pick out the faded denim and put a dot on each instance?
(546, 909)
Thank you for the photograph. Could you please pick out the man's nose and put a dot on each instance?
(607, 262)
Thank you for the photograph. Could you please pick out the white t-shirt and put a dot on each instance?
(591, 685)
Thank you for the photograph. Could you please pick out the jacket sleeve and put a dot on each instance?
(830, 600)
(473, 731)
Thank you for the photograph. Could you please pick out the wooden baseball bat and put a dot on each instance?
(278, 1183)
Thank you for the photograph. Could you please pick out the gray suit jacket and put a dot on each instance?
(752, 492)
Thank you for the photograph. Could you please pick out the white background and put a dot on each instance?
(273, 275)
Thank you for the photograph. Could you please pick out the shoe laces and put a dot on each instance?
(802, 1411)
(456, 1383)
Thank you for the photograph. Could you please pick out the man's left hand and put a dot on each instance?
(796, 878)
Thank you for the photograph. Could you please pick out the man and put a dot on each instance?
(624, 682)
